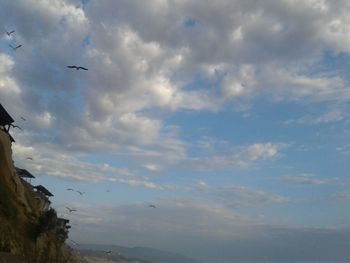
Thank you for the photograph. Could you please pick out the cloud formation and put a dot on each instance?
(197, 229)
(240, 196)
(243, 157)
(332, 116)
(136, 68)
(159, 73)
(308, 179)
(52, 163)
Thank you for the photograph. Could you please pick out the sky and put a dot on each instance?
(230, 116)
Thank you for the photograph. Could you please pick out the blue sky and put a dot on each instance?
(230, 116)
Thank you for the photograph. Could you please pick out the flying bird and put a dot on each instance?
(11, 32)
(75, 243)
(70, 189)
(29, 158)
(108, 252)
(152, 206)
(79, 192)
(15, 48)
(15, 126)
(71, 209)
(23, 119)
(77, 68)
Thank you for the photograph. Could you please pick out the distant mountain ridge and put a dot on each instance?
(141, 254)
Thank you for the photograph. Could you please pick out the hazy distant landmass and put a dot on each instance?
(139, 254)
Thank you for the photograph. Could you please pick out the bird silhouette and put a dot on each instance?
(15, 126)
(15, 48)
(71, 209)
(152, 206)
(29, 158)
(11, 32)
(75, 243)
(108, 251)
(70, 189)
(77, 68)
(23, 119)
(79, 192)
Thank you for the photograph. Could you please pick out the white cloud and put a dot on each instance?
(9, 89)
(239, 196)
(296, 86)
(240, 84)
(241, 157)
(44, 120)
(200, 229)
(143, 129)
(175, 217)
(133, 68)
(201, 185)
(146, 65)
(50, 162)
(152, 167)
(143, 62)
(344, 149)
(261, 151)
(331, 116)
(308, 179)
(279, 83)
(7, 63)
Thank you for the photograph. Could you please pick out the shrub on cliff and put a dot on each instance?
(7, 207)
(47, 221)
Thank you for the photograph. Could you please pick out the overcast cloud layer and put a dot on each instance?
(231, 114)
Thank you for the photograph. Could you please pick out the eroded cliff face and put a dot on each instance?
(25, 229)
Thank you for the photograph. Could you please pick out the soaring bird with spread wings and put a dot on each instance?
(71, 209)
(152, 206)
(77, 68)
(15, 48)
(15, 126)
(75, 243)
(9, 33)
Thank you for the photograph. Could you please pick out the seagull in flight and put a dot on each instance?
(108, 252)
(29, 158)
(152, 206)
(15, 126)
(77, 68)
(15, 48)
(71, 209)
(79, 192)
(23, 119)
(11, 32)
(75, 243)
(70, 189)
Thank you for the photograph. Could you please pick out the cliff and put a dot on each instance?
(29, 229)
